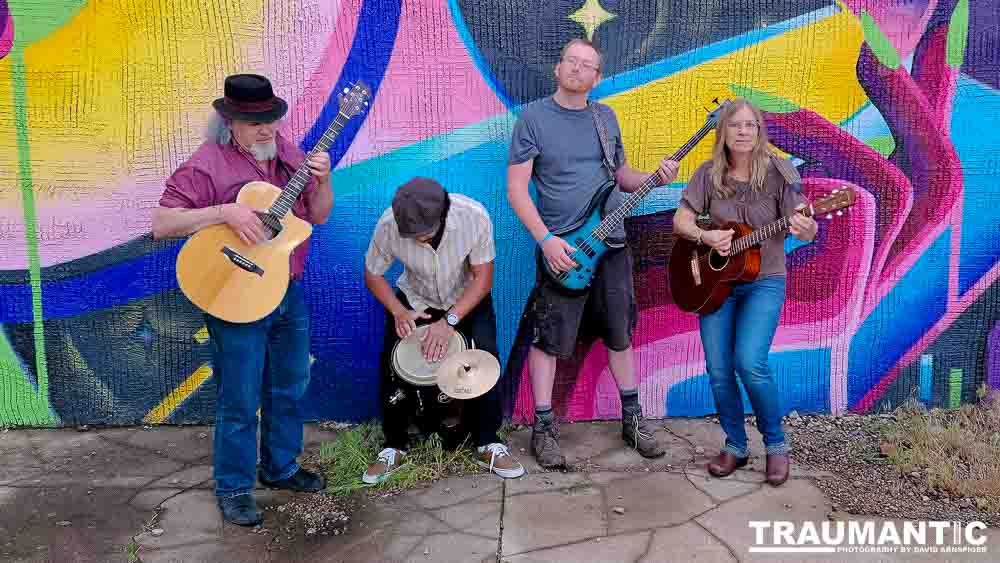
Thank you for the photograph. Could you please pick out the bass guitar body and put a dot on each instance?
(232, 280)
(701, 279)
(589, 249)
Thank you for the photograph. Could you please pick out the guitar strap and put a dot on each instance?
(602, 134)
(704, 221)
(607, 153)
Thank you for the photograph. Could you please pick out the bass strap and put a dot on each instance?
(602, 134)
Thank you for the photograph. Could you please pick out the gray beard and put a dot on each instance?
(264, 151)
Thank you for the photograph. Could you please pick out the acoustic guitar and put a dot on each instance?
(242, 283)
(589, 232)
(701, 279)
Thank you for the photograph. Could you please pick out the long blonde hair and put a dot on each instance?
(760, 157)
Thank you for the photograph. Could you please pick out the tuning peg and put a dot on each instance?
(839, 213)
(346, 89)
(829, 216)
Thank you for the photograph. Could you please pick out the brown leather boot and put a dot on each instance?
(777, 469)
(725, 463)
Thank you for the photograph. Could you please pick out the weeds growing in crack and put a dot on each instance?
(345, 458)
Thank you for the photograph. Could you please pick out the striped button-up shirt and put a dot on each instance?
(435, 278)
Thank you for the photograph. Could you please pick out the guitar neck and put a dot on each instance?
(298, 181)
(613, 219)
(767, 231)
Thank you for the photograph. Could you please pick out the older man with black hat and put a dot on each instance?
(263, 364)
(445, 243)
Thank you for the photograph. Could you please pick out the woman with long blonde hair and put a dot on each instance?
(745, 182)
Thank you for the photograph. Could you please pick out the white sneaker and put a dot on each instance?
(388, 461)
(496, 457)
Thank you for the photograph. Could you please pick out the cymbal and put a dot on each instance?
(468, 374)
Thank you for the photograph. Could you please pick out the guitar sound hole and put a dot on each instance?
(272, 226)
(716, 261)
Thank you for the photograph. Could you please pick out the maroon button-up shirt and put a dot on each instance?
(215, 173)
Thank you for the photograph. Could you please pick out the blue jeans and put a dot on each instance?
(263, 364)
(737, 338)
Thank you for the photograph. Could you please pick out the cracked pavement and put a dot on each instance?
(83, 496)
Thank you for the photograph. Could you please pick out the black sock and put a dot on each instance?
(630, 399)
(543, 416)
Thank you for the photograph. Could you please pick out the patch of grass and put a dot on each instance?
(346, 458)
(958, 449)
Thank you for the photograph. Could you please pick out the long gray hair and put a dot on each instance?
(219, 129)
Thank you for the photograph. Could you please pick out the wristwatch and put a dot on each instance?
(451, 319)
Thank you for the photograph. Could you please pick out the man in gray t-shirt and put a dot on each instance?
(568, 163)
(556, 144)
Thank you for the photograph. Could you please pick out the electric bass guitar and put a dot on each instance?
(588, 233)
(242, 283)
(701, 279)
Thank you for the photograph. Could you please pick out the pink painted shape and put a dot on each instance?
(7, 39)
(306, 98)
(422, 96)
(902, 21)
(15, 249)
(68, 230)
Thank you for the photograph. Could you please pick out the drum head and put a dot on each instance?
(409, 363)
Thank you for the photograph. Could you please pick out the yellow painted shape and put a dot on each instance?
(813, 66)
(176, 397)
(123, 80)
(201, 336)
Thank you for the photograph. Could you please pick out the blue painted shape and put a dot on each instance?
(803, 385)
(115, 285)
(926, 379)
(901, 318)
(975, 132)
(367, 60)
(15, 304)
(94, 291)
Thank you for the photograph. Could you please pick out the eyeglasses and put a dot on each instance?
(751, 125)
(573, 61)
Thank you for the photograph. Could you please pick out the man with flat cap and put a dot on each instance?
(262, 364)
(445, 243)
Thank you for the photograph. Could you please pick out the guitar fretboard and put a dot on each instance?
(767, 231)
(298, 181)
(609, 223)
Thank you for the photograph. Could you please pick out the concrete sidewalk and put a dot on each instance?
(71, 496)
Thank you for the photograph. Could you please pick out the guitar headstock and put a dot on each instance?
(839, 199)
(713, 115)
(354, 99)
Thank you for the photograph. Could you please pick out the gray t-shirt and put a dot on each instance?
(568, 167)
(777, 199)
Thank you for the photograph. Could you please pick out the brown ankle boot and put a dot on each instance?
(725, 463)
(777, 469)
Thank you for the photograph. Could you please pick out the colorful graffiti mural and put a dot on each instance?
(896, 98)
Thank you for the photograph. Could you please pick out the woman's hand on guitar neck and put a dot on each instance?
(557, 253)
(721, 241)
(244, 221)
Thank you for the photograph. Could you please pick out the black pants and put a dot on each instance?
(480, 417)
(608, 310)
